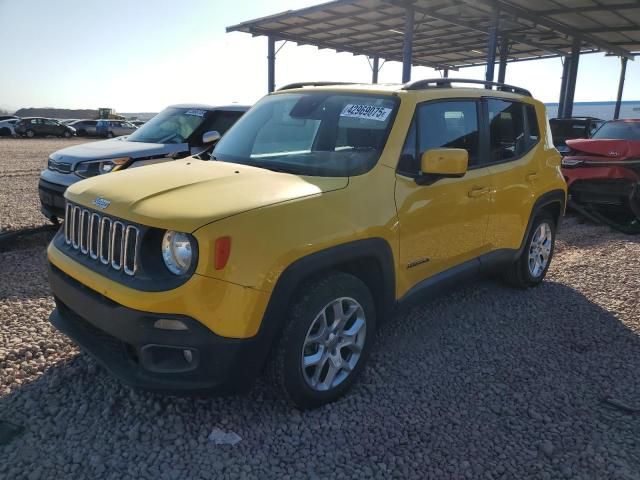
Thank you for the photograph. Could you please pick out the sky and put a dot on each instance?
(139, 56)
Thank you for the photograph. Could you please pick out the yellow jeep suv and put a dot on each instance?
(325, 208)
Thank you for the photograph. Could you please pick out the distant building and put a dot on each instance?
(604, 110)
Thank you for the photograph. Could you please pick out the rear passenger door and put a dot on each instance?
(442, 224)
(514, 133)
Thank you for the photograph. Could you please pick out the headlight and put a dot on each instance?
(98, 167)
(177, 252)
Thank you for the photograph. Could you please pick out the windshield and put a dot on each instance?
(172, 125)
(619, 131)
(317, 134)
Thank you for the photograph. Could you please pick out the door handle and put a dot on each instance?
(478, 192)
(532, 177)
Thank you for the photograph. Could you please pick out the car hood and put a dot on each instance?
(187, 194)
(114, 148)
(613, 149)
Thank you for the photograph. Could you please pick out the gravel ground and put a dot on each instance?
(486, 382)
(21, 161)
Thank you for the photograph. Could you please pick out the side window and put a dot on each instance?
(449, 125)
(532, 123)
(506, 130)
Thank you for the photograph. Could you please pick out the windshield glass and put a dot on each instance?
(172, 125)
(317, 134)
(619, 131)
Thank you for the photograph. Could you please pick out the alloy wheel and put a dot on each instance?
(540, 249)
(333, 345)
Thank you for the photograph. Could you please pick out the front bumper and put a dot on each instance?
(126, 342)
(51, 199)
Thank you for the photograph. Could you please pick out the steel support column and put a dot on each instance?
(375, 69)
(271, 64)
(504, 55)
(492, 43)
(407, 46)
(623, 72)
(445, 73)
(571, 78)
(563, 87)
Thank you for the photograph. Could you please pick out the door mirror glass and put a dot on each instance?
(210, 137)
(444, 162)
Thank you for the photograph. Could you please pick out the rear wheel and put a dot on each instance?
(5, 132)
(326, 342)
(110, 135)
(66, 134)
(30, 133)
(532, 265)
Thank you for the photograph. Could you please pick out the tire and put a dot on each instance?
(532, 265)
(110, 135)
(4, 132)
(305, 331)
(66, 134)
(30, 133)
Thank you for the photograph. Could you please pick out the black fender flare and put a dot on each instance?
(325, 260)
(549, 198)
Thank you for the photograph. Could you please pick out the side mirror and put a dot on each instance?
(210, 137)
(443, 163)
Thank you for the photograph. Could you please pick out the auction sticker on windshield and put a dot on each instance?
(368, 112)
(195, 113)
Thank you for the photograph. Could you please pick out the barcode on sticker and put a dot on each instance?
(368, 112)
(195, 113)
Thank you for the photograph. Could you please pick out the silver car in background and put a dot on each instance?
(114, 128)
(177, 132)
(85, 128)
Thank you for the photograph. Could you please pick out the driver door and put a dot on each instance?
(442, 224)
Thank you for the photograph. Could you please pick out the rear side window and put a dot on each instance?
(532, 123)
(506, 130)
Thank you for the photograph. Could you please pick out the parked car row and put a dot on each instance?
(176, 132)
(40, 126)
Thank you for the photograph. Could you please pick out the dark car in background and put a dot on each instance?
(85, 128)
(41, 127)
(564, 129)
(177, 132)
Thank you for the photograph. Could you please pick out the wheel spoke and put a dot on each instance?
(321, 324)
(330, 376)
(314, 359)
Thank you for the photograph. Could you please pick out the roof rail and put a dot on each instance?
(312, 84)
(446, 83)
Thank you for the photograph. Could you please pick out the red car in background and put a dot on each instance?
(603, 172)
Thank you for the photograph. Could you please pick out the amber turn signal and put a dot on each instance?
(222, 252)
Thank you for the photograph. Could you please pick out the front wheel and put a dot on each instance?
(324, 346)
(66, 134)
(110, 135)
(532, 265)
(30, 134)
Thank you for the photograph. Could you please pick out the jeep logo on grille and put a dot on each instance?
(101, 203)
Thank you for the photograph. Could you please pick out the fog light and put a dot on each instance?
(188, 355)
(170, 324)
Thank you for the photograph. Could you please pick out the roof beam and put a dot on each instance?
(595, 8)
(541, 19)
(475, 27)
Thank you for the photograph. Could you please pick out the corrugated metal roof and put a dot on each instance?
(454, 33)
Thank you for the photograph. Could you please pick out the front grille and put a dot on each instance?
(61, 167)
(103, 239)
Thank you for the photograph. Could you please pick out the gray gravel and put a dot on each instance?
(486, 382)
(21, 161)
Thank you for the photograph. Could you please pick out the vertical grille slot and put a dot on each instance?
(117, 245)
(108, 241)
(131, 250)
(75, 227)
(67, 223)
(104, 244)
(94, 232)
(84, 231)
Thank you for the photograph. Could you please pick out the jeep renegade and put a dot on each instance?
(323, 209)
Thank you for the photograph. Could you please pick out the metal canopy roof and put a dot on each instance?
(453, 33)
